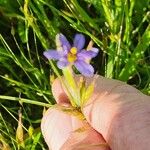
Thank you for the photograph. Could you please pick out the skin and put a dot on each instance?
(116, 114)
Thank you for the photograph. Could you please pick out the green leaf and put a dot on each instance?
(22, 31)
(130, 67)
(36, 140)
(88, 92)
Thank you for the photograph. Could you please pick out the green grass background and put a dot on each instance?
(119, 28)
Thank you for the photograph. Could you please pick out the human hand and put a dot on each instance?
(117, 114)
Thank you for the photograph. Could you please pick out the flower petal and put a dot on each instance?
(88, 54)
(62, 63)
(53, 54)
(79, 41)
(94, 51)
(61, 41)
(84, 68)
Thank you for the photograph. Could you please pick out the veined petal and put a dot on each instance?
(53, 54)
(94, 51)
(62, 63)
(79, 41)
(84, 68)
(88, 54)
(62, 42)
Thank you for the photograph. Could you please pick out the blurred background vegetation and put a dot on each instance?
(119, 28)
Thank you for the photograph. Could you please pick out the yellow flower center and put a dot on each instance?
(72, 54)
(73, 50)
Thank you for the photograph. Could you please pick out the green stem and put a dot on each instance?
(23, 100)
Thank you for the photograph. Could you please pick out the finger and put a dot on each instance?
(112, 109)
(58, 92)
(85, 138)
(58, 131)
(56, 127)
(102, 87)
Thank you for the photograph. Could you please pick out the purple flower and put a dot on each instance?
(73, 55)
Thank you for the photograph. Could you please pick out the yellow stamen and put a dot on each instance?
(71, 57)
(73, 50)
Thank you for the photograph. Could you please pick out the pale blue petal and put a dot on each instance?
(63, 42)
(52, 54)
(79, 41)
(94, 51)
(84, 68)
(62, 63)
(84, 54)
